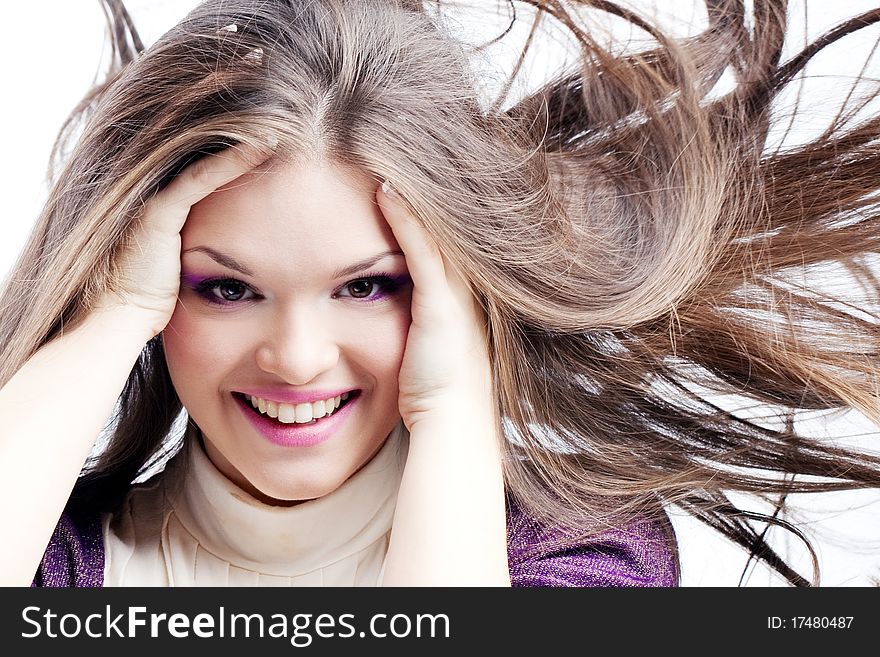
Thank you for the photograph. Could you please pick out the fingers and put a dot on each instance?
(445, 310)
(423, 258)
(172, 205)
(433, 279)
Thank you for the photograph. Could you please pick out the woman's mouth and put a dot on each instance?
(297, 425)
(307, 413)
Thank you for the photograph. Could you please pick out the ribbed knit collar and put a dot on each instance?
(288, 541)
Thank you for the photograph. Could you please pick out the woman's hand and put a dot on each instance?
(446, 361)
(84, 368)
(449, 524)
(149, 265)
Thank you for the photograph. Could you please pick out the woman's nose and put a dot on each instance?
(298, 349)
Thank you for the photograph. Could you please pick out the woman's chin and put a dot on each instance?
(284, 496)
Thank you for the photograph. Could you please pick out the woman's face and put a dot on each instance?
(294, 296)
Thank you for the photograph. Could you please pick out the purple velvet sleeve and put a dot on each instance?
(75, 554)
(640, 554)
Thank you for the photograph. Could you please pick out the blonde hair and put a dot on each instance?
(636, 247)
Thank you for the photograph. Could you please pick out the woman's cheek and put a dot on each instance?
(196, 350)
(376, 345)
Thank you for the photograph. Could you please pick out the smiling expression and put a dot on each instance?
(289, 332)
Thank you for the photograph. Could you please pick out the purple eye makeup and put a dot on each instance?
(218, 290)
(374, 286)
(224, 290)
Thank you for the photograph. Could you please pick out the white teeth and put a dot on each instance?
(286, 413)
(297, 413)
(303, 413)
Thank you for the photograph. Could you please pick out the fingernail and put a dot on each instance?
(388, 190)
(271, 140)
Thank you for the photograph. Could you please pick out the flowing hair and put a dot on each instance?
(640, 248)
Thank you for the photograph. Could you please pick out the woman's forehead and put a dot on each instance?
(312, 207)
(307, 195)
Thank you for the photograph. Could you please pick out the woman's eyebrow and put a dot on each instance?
(222, 258)
(232, 263)
(364, 264)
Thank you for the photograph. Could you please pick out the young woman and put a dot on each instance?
(419, 340)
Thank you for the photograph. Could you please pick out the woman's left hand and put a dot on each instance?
(449, 525)
(446, 361)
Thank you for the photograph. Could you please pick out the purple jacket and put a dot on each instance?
(642, 554)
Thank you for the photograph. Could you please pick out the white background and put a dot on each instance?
(51, 50)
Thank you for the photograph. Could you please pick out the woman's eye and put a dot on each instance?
(374, 288)
(223, 291)
(230, 290)
(361, 289)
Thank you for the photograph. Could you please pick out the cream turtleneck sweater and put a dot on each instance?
(194, 527)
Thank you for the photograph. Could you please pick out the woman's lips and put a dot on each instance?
(296, 434)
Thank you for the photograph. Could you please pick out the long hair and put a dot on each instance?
(639, 250)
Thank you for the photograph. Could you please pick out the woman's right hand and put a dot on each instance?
(84, 369)
(148, 267)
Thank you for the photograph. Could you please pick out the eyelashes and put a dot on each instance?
(370, 288)
(223, 291)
